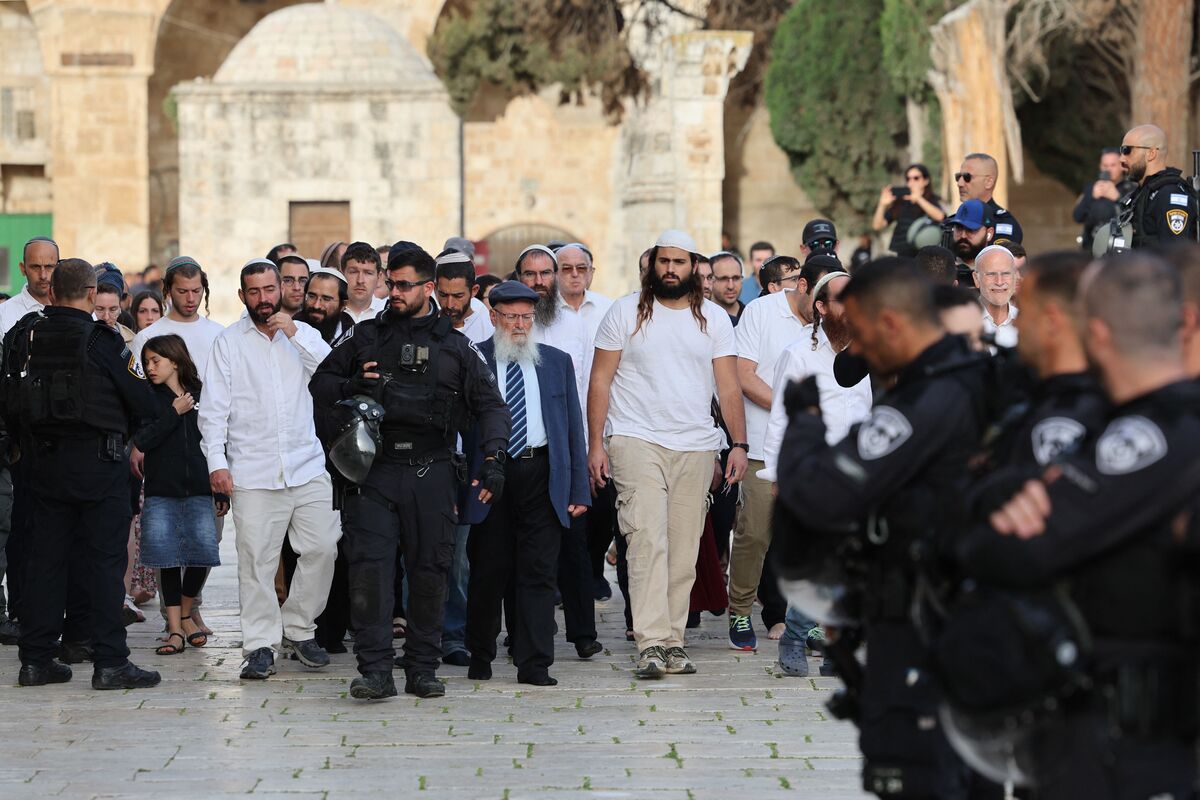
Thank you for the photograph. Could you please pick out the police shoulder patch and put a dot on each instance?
(1054, 435)
(134, 367)
(883, 432)
(471, 345)
(1129, 444)
(1177, 220)
(1003, 229)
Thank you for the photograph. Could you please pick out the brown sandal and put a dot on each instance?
(169, 649)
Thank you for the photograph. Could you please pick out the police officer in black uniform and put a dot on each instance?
(904, 468)
(1163, 209)
(430, 381)
(1117, 526)
(75, 398)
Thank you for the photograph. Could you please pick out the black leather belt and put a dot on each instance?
(530, 452)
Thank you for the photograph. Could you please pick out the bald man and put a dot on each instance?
(1163, 207)
(976, 180)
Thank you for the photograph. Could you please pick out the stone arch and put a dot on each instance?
(194, 37)
(506, 243)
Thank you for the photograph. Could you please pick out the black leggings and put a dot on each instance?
(180, 582)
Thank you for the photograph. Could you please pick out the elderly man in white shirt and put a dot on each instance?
(38, 260)
(841, 408)
(257, 431)
(996, 277)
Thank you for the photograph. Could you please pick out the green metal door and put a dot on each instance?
(15, 231)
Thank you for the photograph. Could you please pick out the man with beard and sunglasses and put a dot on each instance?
(431, 382)
(1163, 208)
(656, 439)
(256, 424)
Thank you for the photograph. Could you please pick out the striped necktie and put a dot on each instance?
(514, 394)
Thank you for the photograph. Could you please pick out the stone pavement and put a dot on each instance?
(735, 729)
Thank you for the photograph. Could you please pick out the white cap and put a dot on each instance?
(313, 264)
(996, 248)
(541, 248)
(264, 261)
(319, 270)
(674, 238)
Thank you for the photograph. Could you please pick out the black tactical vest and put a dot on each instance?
(61, 392)
(420, 409)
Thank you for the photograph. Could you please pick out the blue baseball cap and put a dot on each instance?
(972, 215)
(510, 292)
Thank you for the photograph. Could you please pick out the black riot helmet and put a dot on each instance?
(354, 437)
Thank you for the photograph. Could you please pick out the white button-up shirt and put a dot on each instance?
(16, 307)
(591, 311)
(840, 407)
(372, 311)
(535, 425)
(1005, 334)
(256, 416)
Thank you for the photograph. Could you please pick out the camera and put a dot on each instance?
(900, 191)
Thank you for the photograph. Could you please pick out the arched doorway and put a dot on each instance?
(505, 244)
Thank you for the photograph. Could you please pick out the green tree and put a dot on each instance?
(841, 126)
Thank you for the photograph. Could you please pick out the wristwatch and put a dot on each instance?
(742, 445)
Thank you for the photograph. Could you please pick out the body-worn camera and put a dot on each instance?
(414, 358)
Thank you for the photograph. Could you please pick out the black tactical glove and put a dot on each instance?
(801, 396)
(360, 384)
(491, 478)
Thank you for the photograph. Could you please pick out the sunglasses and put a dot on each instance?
(404, 286)
(1126, 149)
(965, 177)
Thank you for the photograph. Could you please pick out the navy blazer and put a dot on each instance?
(569, 482)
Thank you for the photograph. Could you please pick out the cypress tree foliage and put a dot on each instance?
(833, 111)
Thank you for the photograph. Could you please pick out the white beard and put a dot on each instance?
(518, 352)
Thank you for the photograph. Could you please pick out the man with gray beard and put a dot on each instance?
(537, 268)
(516, 539)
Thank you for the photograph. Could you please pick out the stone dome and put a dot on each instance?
(324, 44)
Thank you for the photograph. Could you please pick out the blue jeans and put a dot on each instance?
(797, 626)
(454, 626)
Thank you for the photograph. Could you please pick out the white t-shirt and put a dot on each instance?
(663, 388)
(15, 308)
(766, 329)
(198, 335)
(478, 327)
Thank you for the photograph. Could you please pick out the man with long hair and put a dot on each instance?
(662, 440)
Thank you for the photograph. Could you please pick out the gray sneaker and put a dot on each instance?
(307, 652)
(652, 663)
(678, 662)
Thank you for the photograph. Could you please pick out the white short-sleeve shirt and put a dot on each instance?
(768, 327)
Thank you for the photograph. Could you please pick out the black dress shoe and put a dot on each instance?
(457, 658)
(587, 648)
(74, 652)
(41, 674)
(10, 631)
(373, 686)
(126, 676)
(424, 684)
(537, 679)
(479, 671)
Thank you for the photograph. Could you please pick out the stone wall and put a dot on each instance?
(245, 154)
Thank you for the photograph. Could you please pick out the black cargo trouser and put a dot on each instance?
(418, 515)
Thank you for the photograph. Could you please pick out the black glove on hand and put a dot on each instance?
(361, 385)
(492, 478)
(800, 396)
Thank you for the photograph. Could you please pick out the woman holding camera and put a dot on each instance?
(906, 204)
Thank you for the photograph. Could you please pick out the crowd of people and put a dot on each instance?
(410, 451)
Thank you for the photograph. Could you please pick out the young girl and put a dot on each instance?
(179, 531)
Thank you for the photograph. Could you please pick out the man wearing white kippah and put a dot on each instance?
(657, 440)
(995, 275)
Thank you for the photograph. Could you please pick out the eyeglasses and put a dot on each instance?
(526, 318)
(404, 286)
(289, 280)
(790, 279)
(965, 177)
(582, 269)
(1126, 149)
(729, 279)
(545, 274)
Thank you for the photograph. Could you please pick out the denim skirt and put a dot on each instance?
(179, 532)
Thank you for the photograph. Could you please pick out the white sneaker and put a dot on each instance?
(652, 663)
(678, 662)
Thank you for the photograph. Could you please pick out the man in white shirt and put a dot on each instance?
(362, 267)
(562, 327)
(257, 431)
(768, 325)
(575, 296)
(455, 298)
(995, 275)
(840, 408)
(185, 285)
(38, 260)
(660, 356)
